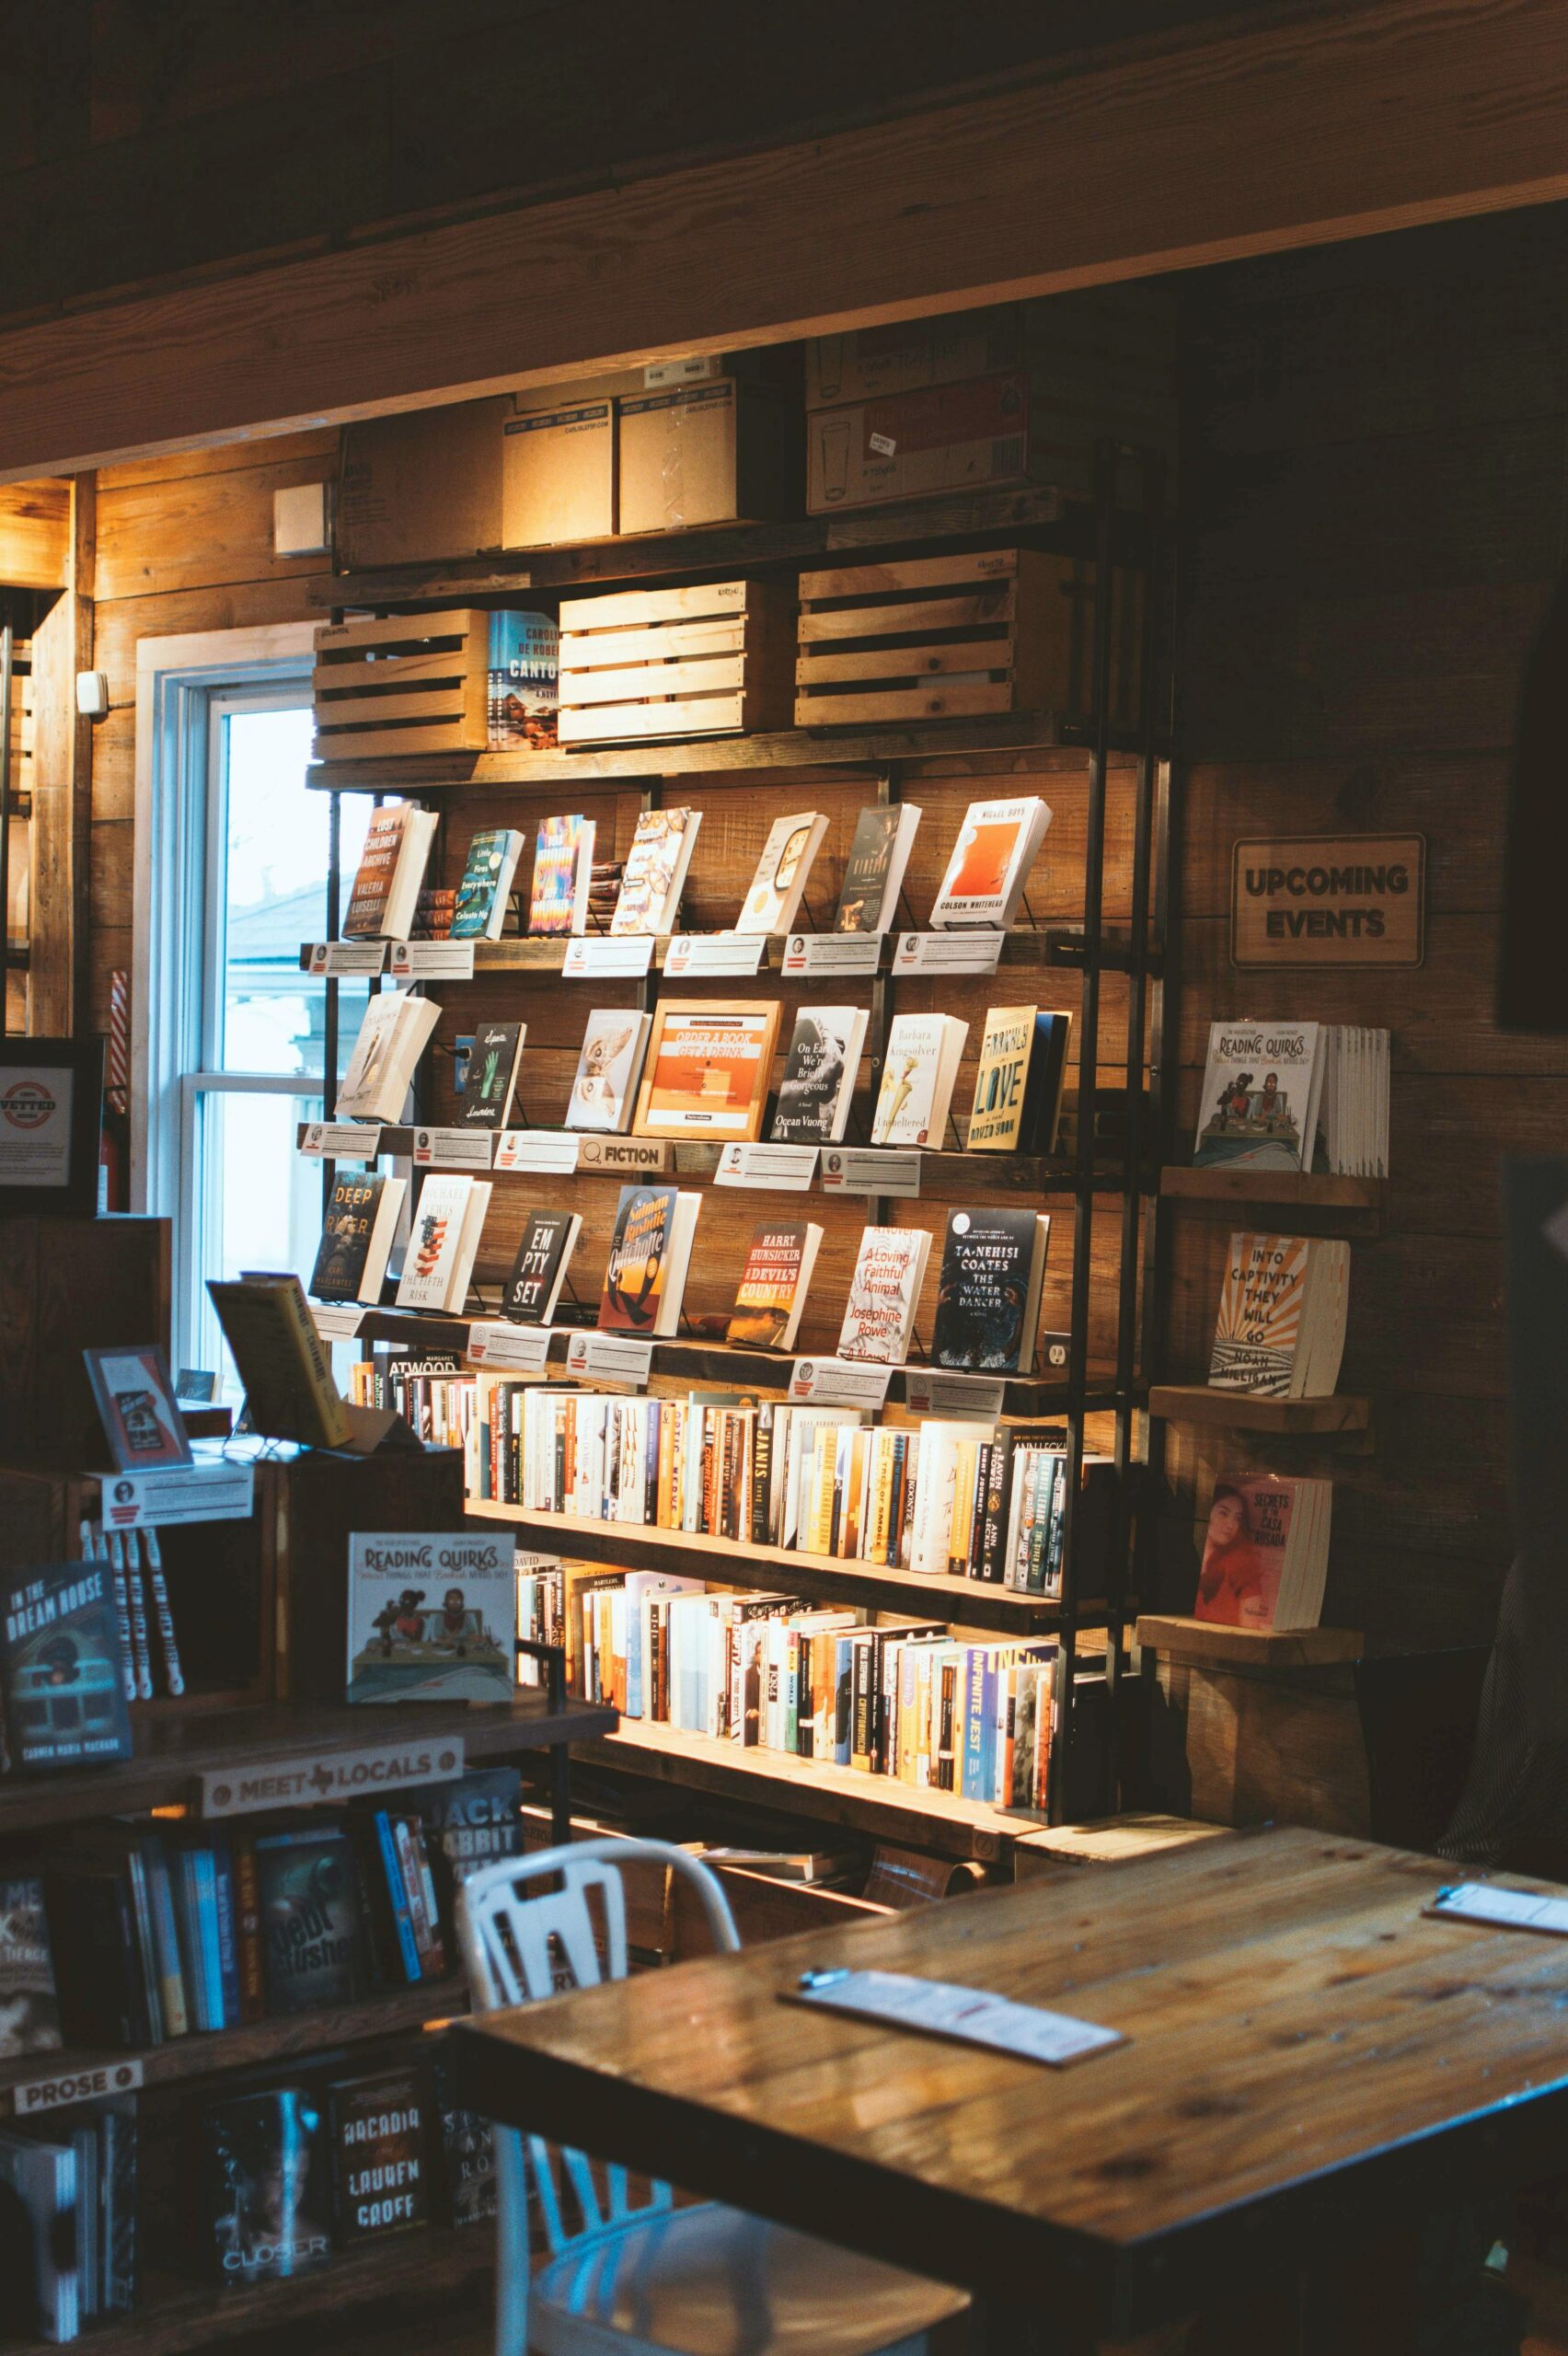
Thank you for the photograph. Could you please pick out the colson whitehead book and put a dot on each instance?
(483, 894)
(315, 1949)
(564, 876)
(874, 874)
(1259, 1106)
(433, 1617)
(62, 1667)
(268, 2181)
(990, 864)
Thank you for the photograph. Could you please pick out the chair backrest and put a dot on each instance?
(522, 1942)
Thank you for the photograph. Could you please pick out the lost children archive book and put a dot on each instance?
(433, 1616)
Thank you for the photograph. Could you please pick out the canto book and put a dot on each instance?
(820, 1066)
(1259, 1106)
(485, 889)
(357, 1235)
(708, 1069)
(564, 876)
(988, 1292)
(990, 864)
(1280, 1331)
(775, 891)
(391, 870)
(539, 1272)
(392, 1036)
(873, 873)
(380, 2133)
(655, 869)
(772, 1290)
(62, 1667)
(884, 1290)
(433, 1616)
(650, 1249)
(30, 2009)
(448, 1221)
(493, 1075)
(921, 1064)
(1019, 1081)
(605, 1089)
(269, 2185)
(1265, 1552)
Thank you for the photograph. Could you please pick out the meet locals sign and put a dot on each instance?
(1329, 900)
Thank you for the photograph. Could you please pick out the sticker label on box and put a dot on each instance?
(871, 1170)
(549, 1152)
(607, 957)
(610, 1357)
(832, 953)
(840, 1383)
(715, 953)
(509, 1349)
(343, 1140)
(453, 1149)
(432, 961)
(787, 1168)
(948, 953)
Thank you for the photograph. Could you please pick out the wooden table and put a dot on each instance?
(1311, 2062)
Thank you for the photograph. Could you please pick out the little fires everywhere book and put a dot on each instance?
(485, 890)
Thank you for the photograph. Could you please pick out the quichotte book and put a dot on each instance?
(650, 1249)
(819, 1068)
(485, 890)
(1019, 1081)
(493, 1075)
(990, 864)
(708, 1069)
(533, 1288)
(774, 1282)
(988, 1292)
(1259, 1106)
(357, 1236)
(269, 2185)
(605, 1089)
(774, 894)
(391, 871)
(380, 2131)
(433, 1616)
(873, 873)
(655, 871)
(29, 2008)
(62, 1667)
(564, 876)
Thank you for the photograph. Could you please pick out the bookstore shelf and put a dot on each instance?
(817, 1577)
(878, 1804)
(1360, 1202)
(1194, 1403)
(281, 2037)
(174, 1752)
(1206, 1640)
(1038, 947)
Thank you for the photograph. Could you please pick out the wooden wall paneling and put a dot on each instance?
(157, 537)
(34, 534)
(62, 645)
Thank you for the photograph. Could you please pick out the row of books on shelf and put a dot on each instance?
(700, 1068)
(982, 884)
(276, 2178)
(910, 1702)
(953, 1499)
(1289, 1096)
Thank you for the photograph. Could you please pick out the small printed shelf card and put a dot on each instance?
(773, 898)
(990, 864)
(819, 1075)
(1019, 1081)
(988, 1292)
(604, 1090)
(564, 876)
(357, 1236)
(433, 1617)
(708, 1069)
(655, 871)
(482, 895)
(874, 874)
(1280, 1332)
(136, 1407)
(387, 881)
(923, 1055)
(1259, 1106)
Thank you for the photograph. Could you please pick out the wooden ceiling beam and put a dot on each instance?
(1232, 140)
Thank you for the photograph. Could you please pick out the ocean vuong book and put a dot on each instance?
(820, 1068)
(62, 1667)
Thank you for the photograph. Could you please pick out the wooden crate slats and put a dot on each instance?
(708, 661)
(414, 683)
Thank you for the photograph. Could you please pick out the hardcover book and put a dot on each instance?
(433, 1616)
(486, 887)
(988, 1292)
(918, 1070)
(819, 1075)
(38, 2237)
(357, 1235)
(269, 2185)
(990, 864)
(1019, 1081)
(873, 873)
(772, 1290)
(1259, 1106)
(524, 681)
(493, 1075)
(392, 1036)
(563, 875)
(62, 1667)
(604, 1090)
(313, 1945)
(448, 1221)
(708, 1069)
(539, 1272)
(883, 1292)
(650, 1249)
(391, 870)
(380, 2154)
(655, 869)
(774, 892)
(137, 1408)
(475, 1819)
(29, 2008)
(279, 1358)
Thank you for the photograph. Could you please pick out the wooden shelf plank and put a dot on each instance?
(1194, 1403)
(878, 1804)
(1037, 949)
(816, 1577)
(276, 2039)
(173, 1752)
(1363, 1199)
(1184, 1638)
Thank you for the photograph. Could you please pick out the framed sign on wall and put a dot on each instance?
(50, 1124)
(1329, 900)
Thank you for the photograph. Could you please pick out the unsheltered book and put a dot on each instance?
(433, 1617)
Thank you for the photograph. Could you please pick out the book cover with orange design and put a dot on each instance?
(990, 862)
(708, 1069)
(635, 1272)
(1258, 1330)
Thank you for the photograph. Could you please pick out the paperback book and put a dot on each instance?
(492, 1076)
(315, 1945)
(605, 1089)
(820, 1069)
(137, 1408)
(433, 1617)
(988, 1292)
(990, 864)
(921, 1064)
(533, 1288)
(63, 1666)
(269, 2185)
(448, 1221)
(357, 1236)
(392, 1037)
(386, 883)
(774, 1282)
(873, 873)
(1259, 1105)
(650, 1249)
(1265, 1552)
(563, 875)
(29, 2008)
(879, 1316)
(279, 1358)
(485, 891)
(655, 871)
(1019, 1081)
(708, 1069)
(1280, 1332)
(774, 895)
(380, 2129)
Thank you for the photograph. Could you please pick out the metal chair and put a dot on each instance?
(650, 2280)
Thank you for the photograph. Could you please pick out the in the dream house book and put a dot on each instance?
(493, 1075)
(819, 1075)
(431, 1617)
(1259, 1106)
(650, 1249)
(990, 862)
(539, 1272)
(269, 2184)
(772, 1290)
(604, 1090)
(564, 876)
(357, 1235)
(775, 893)
(874, 874)
(655, 869)
(391, 870)
(482, 895)
(707, 1069)
(988, 1292)
(62, 1667)
(880, 1313)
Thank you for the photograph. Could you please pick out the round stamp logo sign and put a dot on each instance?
(26, 1105)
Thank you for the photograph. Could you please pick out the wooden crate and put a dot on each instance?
(416, 683)
(711, 661)
(989, 630)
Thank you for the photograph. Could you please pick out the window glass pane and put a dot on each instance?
(274, 897)
(259, 1200)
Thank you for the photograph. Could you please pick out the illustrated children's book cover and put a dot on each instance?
(431, 1617)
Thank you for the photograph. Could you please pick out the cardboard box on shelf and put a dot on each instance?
(559, 475)
(713, 453)
(909, 355)
(425, 484)
(910, 445)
